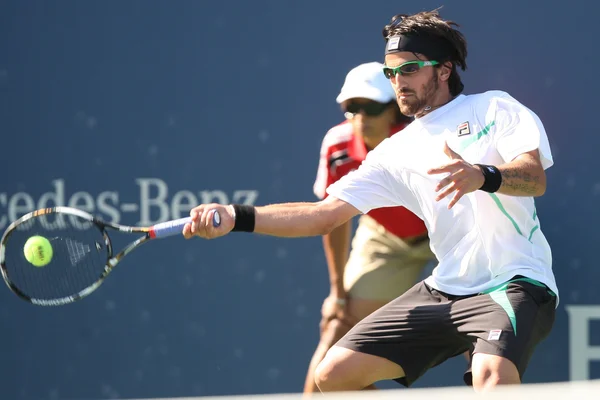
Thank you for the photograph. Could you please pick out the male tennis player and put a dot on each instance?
(390, 247)
(470, 166)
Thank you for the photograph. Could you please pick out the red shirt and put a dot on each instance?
(342, 152)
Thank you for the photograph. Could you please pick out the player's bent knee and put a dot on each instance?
(327, 375)
(486, 380)
(490, 371)
(344, 369)
(331, 377)
(334, 373)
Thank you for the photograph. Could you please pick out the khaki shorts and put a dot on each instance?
(381, 265)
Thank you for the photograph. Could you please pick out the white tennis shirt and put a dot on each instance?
(486, 238)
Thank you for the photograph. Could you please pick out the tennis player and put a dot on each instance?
(470, 167)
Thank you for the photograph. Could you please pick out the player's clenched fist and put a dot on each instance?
(209, 221)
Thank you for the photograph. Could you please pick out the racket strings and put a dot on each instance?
(77, 250)
(78, 260)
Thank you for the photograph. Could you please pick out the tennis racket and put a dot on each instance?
(82, 253)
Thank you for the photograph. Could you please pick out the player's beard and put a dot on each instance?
(414, 104)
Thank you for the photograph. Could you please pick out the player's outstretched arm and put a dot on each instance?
(284, 220)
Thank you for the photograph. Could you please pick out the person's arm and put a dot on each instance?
(283, 220)
(336, 245)
(371, 186)
(303, 219)
(523, 176)
(519, 136)
(520, 139)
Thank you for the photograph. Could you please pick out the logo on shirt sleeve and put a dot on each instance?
(463, 129)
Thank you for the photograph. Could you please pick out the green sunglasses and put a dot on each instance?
(409, 67)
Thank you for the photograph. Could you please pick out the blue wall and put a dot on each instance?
(161, 104)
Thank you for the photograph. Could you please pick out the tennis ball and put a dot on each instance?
(38, 251)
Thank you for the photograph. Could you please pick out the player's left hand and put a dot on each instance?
(464, 177)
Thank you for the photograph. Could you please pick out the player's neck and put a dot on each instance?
(441, 100)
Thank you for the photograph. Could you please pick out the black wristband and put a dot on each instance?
(244, 218)
(492, 178)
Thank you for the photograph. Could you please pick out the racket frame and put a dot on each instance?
(99, 224)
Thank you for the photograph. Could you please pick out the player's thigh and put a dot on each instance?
(413, 331)
(342, 366)
(508, 322)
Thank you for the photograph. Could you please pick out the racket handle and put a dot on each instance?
(174, 227)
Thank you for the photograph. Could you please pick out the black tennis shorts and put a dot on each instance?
(424, 327)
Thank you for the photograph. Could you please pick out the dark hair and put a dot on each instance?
(430, 23)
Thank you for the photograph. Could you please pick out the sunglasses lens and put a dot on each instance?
(409, 68)
(388, 72)
(353, 108)
(372, 109)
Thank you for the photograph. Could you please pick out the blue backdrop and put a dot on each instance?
(137, 110)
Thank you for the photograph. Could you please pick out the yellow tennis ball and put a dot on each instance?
(38, 251)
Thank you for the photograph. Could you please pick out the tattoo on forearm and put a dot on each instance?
(520, 180)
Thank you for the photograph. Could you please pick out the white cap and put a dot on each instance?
(369, 82)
